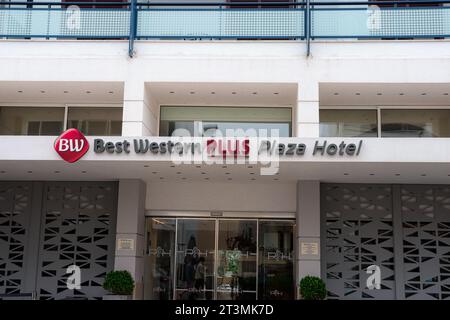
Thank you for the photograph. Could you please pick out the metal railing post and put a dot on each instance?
(308, 27)
(133, 27)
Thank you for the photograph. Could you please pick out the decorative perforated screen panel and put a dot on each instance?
(358, 233)
(426, 241)
(404, 229)
(15, 213)
(78, 227)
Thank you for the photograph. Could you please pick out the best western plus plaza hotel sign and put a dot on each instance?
(72, 145)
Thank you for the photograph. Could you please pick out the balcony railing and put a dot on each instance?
(225, 20)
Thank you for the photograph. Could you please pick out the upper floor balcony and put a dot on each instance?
(235, 19)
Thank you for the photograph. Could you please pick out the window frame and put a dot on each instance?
(379, 108)
(290, 123)
(65, 106)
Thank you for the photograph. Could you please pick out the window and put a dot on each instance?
(34, 121)
(96, 121)
(412, 123)
(348, 123)
(49, 121)
(213, 121)
(415, 123)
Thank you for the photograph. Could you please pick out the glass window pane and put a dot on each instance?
(195, 253)
(31, 120)
(159, 259)
(348, 123)
(96, 121)
(415, 123)
(276, 260)
(236, 271)
(214, 121)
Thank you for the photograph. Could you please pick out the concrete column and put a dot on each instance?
(308, 229)
(140, 111)
(307, 112)
(130, 231)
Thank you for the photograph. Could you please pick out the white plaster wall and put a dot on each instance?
(191, 196)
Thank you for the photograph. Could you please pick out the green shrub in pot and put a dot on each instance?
(119, 283)
(312, 288)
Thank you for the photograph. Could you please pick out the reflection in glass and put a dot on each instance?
(159, 259)
(215, 121)
(33, 121)
(96, 121)
(236, 273)
(415, 123)
(276, 258)
(195, 251)
(348, 123)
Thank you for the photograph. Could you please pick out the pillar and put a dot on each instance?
(308, 229)
(130, 231)
(140, 111)
(307, 112)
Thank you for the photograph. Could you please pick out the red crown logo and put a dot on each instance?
(71, 145)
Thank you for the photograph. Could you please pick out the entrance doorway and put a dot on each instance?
(225, 259)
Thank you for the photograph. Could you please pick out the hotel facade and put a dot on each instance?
(265, 141)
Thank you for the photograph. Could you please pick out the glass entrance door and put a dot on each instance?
(195, 259)
(226, 259)
(237, 260)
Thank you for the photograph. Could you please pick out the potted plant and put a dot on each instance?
(312, 288)
(120, 284)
